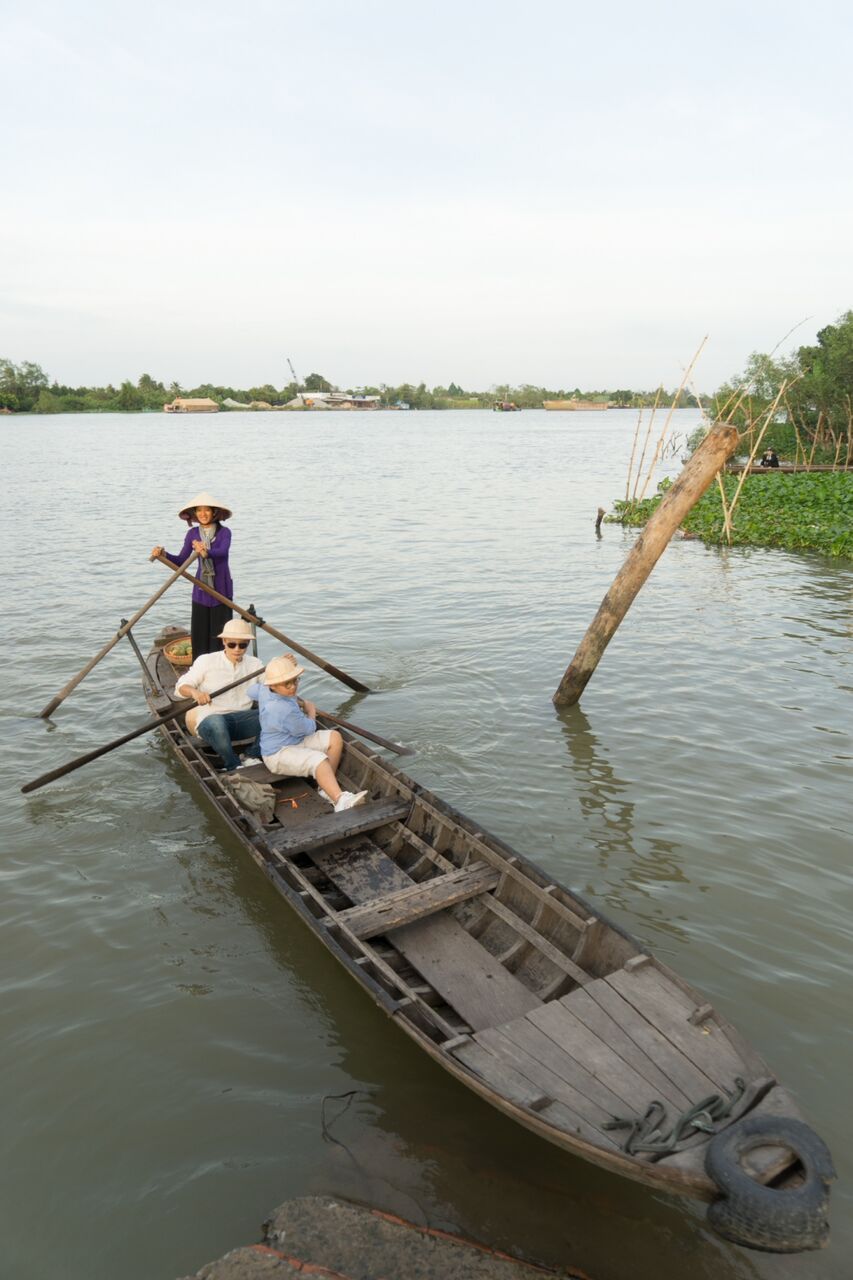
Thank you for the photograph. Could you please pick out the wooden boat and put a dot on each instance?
(523, 990)
(577, 406)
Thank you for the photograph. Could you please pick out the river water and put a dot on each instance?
(171, 1031)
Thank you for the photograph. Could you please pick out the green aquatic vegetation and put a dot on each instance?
(806, 511)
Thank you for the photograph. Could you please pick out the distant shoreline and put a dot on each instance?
(481, 408)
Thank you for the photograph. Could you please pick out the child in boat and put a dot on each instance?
(212, 541)
(291, 743)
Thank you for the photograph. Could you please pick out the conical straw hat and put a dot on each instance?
(203, 500)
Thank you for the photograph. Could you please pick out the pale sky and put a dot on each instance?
(479, 191)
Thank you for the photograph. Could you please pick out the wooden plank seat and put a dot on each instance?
(466, 976)
(525, 932)
(381, 915)
(333, 826)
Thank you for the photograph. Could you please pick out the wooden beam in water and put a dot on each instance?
(698, 474)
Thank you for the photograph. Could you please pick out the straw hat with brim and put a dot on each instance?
(221, 512)
(236, 629)
(280, 670)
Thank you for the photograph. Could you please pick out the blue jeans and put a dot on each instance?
(219, 731)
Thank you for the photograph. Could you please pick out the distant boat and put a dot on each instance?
(576, 405)
(183, 404)
(506, 406)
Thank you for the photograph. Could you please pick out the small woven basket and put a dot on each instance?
(179, 659)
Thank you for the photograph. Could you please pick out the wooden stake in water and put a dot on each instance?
(712, 454)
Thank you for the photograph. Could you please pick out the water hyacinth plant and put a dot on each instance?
(804, 511)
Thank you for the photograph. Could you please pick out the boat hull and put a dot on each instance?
(518, 987)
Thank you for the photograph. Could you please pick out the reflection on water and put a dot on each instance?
(171, 1029)
(635, 870)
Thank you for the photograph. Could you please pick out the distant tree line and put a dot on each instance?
(26, 388)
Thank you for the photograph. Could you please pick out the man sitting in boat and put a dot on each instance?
(291, 743)
(232, 716)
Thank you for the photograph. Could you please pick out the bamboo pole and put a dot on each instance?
(646, 442)
(633, 452)
(712, 454)
(768, 418)
(727, 516)
(668, 418)
(123, 630)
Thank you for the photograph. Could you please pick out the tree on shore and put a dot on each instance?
(316, 382)
(20, 385)
(815, 414)
(26, 387)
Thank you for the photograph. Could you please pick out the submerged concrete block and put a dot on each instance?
(321, 1238)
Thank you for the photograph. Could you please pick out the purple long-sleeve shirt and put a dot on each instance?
(219, 555)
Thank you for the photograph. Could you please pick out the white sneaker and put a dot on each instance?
(249, 762)
(349, 801)
(323, 795)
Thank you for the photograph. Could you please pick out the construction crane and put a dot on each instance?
(293, 372)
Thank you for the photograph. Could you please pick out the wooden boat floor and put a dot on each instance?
(607, 1050)
(464, 974)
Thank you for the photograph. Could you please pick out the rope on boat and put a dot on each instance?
(646, 1132)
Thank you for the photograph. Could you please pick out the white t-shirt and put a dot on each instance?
(210, 672)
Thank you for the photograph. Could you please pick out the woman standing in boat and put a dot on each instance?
(212, 542)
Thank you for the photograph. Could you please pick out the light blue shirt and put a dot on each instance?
(282, 722)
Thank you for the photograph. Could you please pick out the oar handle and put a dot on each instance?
(278, 635)
(177, 710)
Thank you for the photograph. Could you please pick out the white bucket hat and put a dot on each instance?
(221, 512)
(280, 670)
(236, 629)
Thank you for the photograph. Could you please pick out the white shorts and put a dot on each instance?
(303, 760)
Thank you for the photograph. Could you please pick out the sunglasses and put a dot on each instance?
(237, 644)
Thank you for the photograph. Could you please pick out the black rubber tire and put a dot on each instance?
(776, 1220)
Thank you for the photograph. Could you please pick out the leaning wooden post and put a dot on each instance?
(698, 474)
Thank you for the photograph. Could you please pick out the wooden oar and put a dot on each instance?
(366, 733)
(279, 635)
(72, 684)
(178, 710)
